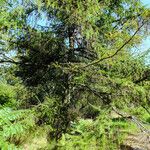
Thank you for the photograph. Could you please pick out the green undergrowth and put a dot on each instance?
(19, 131)
(100, 134)
(15, 127)
(7, 95)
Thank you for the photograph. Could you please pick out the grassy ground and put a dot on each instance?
(36, 143)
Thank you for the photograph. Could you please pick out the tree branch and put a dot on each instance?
(99, 94)
(117, 51)
(9, 61)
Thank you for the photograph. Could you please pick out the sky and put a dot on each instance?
(146, 42)
(146, 2)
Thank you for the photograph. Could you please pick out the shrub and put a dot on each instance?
(7, 95)
(14, 127)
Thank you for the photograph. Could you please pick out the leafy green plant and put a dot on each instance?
(100, 134)
(7, 95)
(14, 127)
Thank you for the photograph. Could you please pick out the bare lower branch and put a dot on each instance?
(9, 61)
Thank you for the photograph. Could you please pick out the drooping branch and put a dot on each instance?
(118, 50)
(99, 94)
(6, 59)
(9, 61)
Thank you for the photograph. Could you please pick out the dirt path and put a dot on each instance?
(140, 141)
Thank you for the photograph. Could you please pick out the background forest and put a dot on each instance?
(69, 76)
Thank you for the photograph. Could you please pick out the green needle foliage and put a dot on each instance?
(73, 60)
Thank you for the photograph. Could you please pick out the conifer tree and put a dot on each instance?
(81, 55)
